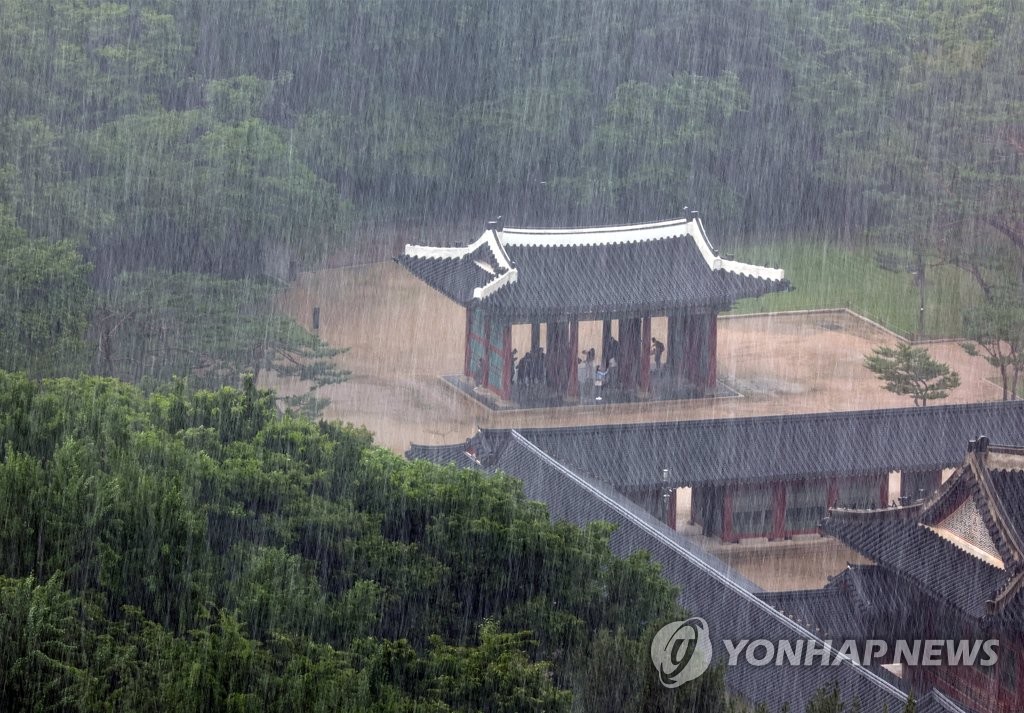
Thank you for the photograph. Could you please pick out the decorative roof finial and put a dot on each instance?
(497, 225)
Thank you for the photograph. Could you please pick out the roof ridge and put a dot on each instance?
(899, 514)
(902, 531)
(1001, 528)
(858, 415)
(615, 235)
(977, 496)
(935, 507)
(601, 228)
(1006, 591)
(928, 586)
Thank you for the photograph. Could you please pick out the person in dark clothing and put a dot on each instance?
(524, 370)
(481, 371)
(657, 349)
(613, 349)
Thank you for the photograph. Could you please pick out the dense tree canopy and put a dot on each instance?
(198, 551)
(44, 302)
(243, 138)
(262, 121)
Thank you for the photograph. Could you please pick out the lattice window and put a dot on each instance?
(752, 511)
(861, 493)
(805, 505)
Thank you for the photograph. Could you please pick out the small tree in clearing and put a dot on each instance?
(997, 327)
(911, 371)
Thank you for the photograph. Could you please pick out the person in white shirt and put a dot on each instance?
(585, 372)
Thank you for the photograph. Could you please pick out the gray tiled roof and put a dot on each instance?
(1009, 488)
(936, 702)
(620, 278)
(572, 471)
(831, 613)
(933, 563)
(929, 546)
(599, 280)
(455, 279)
(708, 587)
(846, 607)
(867, 602)
(779, 447)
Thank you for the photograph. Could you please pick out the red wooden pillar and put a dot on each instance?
(467, 368)
(702, 351)
(560, 361)
(691, 349)
(883, 490)
(645, 356)
(778, 511)
(622, 357)
(555, 338)
(485, 365)
(506, 362)
(698, 343)
(671, 504)
(573, 387)
(833, 493)
(1018, 661)
(606, 339)
(625, 357)
(630, 348)
(727, 534)
(534, 335)
(676, 348)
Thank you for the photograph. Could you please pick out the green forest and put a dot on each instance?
(169, 540)
(198, 551)
(212, 148)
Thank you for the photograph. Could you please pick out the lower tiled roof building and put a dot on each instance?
(948, 567)
(584, 474)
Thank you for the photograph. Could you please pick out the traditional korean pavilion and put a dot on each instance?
(949, 567)
(559, 277)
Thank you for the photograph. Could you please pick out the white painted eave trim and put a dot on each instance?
(577, 237)
(732, 266)
(496, 284)
(742, 268)
(488, 237)
(508, 273)
(692, 228)
(431, 252)
(667, 230)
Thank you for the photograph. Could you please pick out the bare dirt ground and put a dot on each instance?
(402, 336)
(806, 563)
